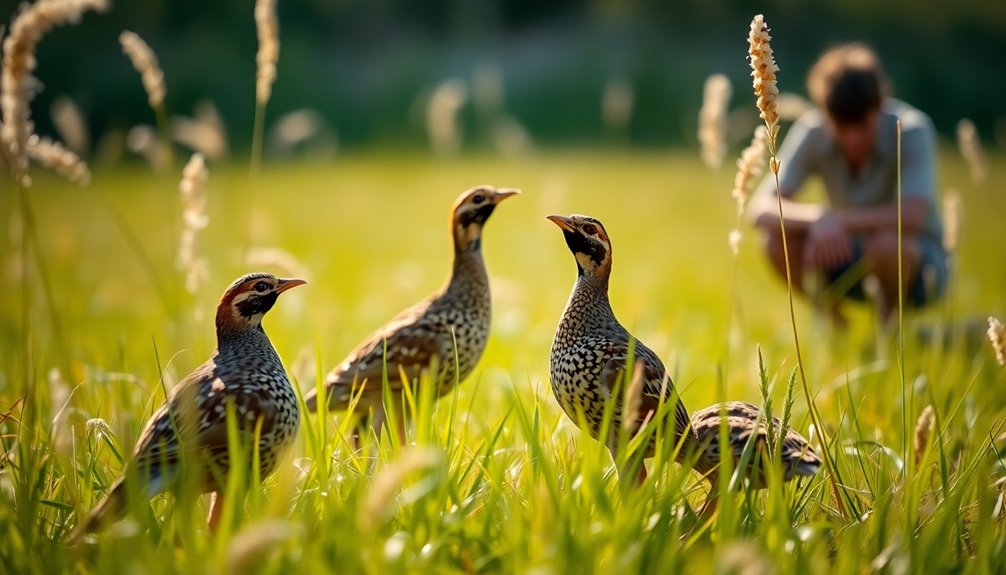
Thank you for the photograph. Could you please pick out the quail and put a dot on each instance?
(590, 351)
(448, 330)
(244, 376)
(797, 457)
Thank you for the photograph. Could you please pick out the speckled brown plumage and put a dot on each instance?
(798, 458)
(425, 334)
(591, 348)
(244, 371)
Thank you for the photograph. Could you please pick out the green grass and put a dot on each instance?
(500, 480)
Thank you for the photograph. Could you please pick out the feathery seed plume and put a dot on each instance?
(268, 48)
(145, 62)
(17, 84)
(713, 119)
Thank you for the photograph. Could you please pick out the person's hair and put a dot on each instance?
(848, 83)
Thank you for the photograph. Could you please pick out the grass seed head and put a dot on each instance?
(268, 48)
(972, 151)
(388, 482)
(633, 397)
(276, 258)
(749, 168)
(951, 220)
(997, 335)
(194, 219)
(145, 62)
(442, 110)
(54, 156)
(734, 239)
(923, 429)
(713, 119)
(764, 71)
(617, 102)
(70, 123)
(254, 543)
(17, 83)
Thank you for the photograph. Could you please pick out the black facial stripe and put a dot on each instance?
(257, 304)
(478, 215)
(578, 244)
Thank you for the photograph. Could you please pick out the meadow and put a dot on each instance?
(497, 479)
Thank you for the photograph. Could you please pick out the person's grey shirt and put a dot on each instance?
(810, 149)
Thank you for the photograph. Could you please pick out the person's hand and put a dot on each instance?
(829, 245)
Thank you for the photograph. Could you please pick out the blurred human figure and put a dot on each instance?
(850, 141)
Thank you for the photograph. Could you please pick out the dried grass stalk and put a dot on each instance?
(17, 84)
(57, 158)
(713, 119)
(997, 335)
(268, 48)
(145, 62)
(923, 429)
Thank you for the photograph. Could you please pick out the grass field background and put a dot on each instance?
(507, 484)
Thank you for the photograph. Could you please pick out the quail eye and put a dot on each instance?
(478, 199)
(262, 287)
(589, 229)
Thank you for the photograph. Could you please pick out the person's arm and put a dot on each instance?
(914, 211)
(797, 216)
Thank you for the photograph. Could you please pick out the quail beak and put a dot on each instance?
(504, 193)
(563, 222)
(285, 284)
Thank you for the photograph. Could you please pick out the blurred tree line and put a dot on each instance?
(365, 64)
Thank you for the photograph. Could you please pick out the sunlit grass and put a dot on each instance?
(499, 480)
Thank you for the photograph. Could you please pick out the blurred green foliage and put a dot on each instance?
(364, 64)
